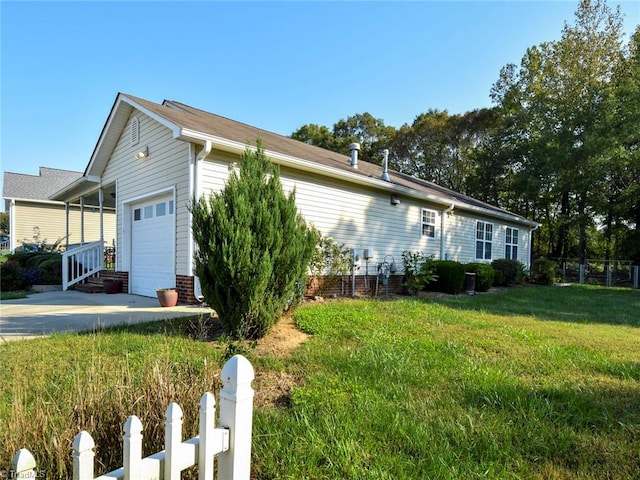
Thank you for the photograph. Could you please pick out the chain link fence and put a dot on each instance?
(609, 273)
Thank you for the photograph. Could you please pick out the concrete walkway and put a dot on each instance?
(71, 311)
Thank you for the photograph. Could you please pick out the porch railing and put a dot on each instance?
(80, 262)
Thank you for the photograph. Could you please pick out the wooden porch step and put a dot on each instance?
(94, 284)
(90, 287)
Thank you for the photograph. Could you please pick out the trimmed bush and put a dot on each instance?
(498, 277)
(11, 276)
(450, 276)
(485, 274)
(512, 271)
(545, 271)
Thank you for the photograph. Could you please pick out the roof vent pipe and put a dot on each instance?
(385, 165)
(354, 147)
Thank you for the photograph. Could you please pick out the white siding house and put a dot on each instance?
(152, 158)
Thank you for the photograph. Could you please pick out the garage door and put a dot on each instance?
(152, 249)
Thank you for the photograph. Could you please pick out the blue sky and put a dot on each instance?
(274, 65)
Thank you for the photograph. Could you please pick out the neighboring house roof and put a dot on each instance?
(194, 125)
(37, 187)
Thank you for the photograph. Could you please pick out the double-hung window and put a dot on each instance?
(484, 239)
(511, 244)
(428, 223)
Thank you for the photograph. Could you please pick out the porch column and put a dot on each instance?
(101, 201)
(66, 214)
(82, 220)
(12, 225)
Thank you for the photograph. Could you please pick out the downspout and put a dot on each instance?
(193, 196)
(442, 229)
(82, 220)
(66, 214)
(530, 245)
(12, 225)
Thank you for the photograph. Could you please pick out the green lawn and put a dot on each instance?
(533, 382)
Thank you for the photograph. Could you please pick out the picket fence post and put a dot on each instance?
(206, 446)
(83, 456)
(236, 414)
(172, 441)
(23, 464)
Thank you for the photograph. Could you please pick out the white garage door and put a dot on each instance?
(152, 249)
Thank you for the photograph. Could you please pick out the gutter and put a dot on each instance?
(533, 229)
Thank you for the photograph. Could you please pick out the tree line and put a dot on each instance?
(561, 144)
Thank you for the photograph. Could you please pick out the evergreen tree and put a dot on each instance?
(253, 246)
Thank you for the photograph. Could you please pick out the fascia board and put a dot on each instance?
(305, 165)
(158, 118)
(78, 188)
(34, 200)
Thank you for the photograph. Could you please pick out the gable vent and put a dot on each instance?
(135, 131)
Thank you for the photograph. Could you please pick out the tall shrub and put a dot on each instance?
(450, 276)
(484, 275)
(512, 272)
(253, 247)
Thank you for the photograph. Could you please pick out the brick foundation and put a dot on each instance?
(122, 276)
(330, 287)
(184, 285)
(342, 286)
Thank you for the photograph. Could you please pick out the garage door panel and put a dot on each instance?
(153, 241)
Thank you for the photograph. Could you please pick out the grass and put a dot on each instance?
(15, 294)
(530, 383)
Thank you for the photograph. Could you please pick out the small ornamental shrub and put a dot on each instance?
(484, 275)
(512, 271)
(48, 266)
(545, 272)
(450, 276)
(11, 276)
(329, 263)
(418, 271)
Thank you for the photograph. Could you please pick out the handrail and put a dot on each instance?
(81, 262)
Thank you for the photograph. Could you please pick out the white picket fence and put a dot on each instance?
(230, 441)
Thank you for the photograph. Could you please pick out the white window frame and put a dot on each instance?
(484, 240)
(428, 223)
(511, 243)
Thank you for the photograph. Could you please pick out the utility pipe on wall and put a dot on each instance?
(442, 229)
(193, 195)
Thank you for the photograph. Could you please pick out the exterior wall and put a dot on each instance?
(353, 215)
(166, 168)
(460, 243)
(50, 218)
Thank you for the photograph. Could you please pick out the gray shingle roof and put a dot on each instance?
(191, 118)
(37, 187)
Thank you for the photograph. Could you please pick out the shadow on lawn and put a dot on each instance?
(201, 327)
(578, 424)
(575, 304)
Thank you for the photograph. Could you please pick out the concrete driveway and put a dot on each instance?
(72, 311)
